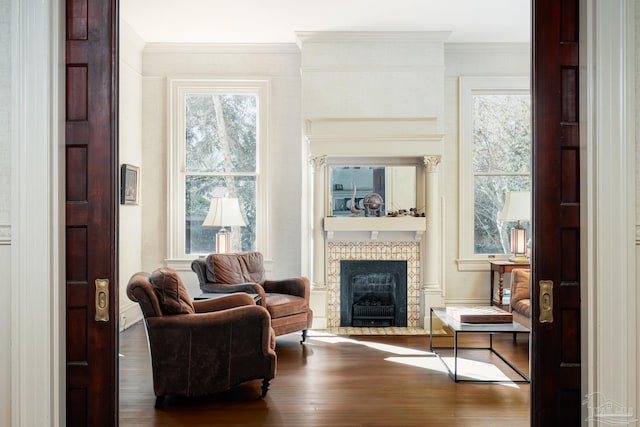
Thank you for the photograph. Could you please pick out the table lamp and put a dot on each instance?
(517, 207)
(224, 212)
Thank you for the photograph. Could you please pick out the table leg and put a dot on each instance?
(493, 275)
(455, 356)
(500, 286)
(431, 329)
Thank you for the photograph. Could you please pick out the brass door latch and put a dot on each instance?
(102, 300)
(546, 301)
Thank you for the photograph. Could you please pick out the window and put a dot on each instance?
(495, 157)
(217, 142)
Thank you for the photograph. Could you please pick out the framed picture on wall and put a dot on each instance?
(129, 184)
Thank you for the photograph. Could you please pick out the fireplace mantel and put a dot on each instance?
(375, 225)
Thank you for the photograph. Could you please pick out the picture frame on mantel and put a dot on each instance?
(129, 184)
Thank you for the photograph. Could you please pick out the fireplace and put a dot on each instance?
(373, 293)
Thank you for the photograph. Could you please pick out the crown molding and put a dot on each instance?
(223, 48)
(370, 36)
(500, 48)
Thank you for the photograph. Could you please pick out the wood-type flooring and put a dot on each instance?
(340, 381)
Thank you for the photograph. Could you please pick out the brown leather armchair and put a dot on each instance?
(202, 347)
(287, 300)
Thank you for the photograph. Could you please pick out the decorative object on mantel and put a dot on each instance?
(403, 212)
(372, 204)
(352, 207)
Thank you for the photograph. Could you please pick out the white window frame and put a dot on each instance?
(469, 86)
(178, 89)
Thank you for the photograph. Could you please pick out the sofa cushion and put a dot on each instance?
(237, 268)
(172, 294)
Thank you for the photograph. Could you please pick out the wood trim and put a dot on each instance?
(610, 319)
(37, 376)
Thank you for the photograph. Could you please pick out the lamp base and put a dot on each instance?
(519, 259)
(223, 241)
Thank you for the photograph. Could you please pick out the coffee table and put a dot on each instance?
(475, 328)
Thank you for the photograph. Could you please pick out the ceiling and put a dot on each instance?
(276, 21)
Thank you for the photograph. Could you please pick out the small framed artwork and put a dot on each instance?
(129, 184)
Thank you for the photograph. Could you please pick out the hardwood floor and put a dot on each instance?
(335, 381)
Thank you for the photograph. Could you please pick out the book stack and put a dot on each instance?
(488, 314)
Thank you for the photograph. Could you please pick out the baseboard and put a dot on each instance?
(129, 315)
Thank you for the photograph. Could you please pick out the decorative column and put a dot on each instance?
(319, 166)
(431, 266)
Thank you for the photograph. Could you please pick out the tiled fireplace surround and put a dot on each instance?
(371, 251)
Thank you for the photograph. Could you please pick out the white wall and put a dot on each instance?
(464, 287)
(280, 64)
(5, 199)
(130, 152)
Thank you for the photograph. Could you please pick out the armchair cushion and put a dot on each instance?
(172, 294)
(281, 305)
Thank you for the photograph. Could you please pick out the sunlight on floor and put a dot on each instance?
(335, 339)
(467, 369)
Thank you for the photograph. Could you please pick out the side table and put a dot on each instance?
(502, 267)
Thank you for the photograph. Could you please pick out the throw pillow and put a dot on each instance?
(173, 295)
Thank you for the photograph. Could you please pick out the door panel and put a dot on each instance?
(91, 211)
(555, 354)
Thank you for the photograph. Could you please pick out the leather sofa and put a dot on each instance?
(287, 300)
(521, 296)
(202, 347)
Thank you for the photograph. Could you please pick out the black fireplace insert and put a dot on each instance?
(373, 293)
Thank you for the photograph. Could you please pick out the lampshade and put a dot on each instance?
(224, 212)
(517, 206)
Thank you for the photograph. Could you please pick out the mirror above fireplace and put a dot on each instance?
(371, 190)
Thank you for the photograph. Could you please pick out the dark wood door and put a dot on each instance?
(91, 213)
(555, 354)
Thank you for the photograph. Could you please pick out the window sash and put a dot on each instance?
(178, 90)
(468, 88)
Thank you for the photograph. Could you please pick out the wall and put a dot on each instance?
(281, 64)
(5, 199)
(464, 287)
(130, 152)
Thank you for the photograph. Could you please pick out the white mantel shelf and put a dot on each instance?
(374, 225)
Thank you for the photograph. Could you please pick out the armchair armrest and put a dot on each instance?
(223, 303)
(298, 286)
(199, 266)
